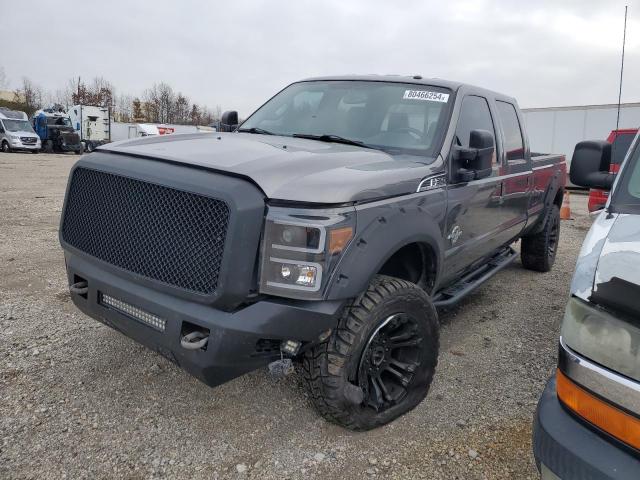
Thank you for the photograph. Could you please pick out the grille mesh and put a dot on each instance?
(168, 235)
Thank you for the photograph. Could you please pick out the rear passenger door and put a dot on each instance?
(474, 208)
(517, 172)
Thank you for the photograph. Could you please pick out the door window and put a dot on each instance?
(513, 143)
(474, 115)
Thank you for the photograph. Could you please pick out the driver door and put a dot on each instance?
(474, 208)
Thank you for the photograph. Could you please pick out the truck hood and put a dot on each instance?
(292, 169)
(608, 268)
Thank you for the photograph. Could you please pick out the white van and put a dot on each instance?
(16, 133)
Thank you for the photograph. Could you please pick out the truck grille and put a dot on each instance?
(71, 138)
(28, 140)
(168, 235)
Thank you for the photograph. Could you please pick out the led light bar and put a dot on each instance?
(133, 312)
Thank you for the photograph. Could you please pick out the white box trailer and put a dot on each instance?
(93, 124)
(558, 129)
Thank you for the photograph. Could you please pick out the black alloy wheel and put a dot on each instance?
(389, 361)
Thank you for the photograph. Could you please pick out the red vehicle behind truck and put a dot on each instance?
(621, 141)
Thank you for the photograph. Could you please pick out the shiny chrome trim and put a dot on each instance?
(435, 181)
(614, 387)
(541, 167)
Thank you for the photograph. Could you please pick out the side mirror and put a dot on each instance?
(590, 165)
(229, 121)
(474, 163)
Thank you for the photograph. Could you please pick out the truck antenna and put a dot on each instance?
(624, 39)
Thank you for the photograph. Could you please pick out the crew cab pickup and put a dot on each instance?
(328, 228)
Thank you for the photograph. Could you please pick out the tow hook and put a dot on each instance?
(79, 288)
(195, 340)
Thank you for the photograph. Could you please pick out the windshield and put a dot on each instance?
(626, 198)
(404, 118)
(17, 125)
(64, 121)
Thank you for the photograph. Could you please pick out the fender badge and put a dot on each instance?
(455, 234)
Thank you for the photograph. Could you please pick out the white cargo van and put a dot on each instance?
(16, 133)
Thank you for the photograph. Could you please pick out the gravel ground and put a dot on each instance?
(79, 400)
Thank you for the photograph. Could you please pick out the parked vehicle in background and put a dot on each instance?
(148, 129)
(16, 132)
(92, 123)
(327, 228)
(587, 424)
(56, 132)
(621, 141)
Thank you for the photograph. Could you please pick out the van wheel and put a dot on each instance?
(5, 147)
(539, 251)
(380, 360)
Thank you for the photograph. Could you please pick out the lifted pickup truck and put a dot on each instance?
(328, 228)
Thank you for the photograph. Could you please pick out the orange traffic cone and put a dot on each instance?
(565, 210)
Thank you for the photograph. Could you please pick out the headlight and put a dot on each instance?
(607, 339)
(300, 249)
(15, 137)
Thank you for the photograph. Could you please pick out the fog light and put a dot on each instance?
(285, 271)
(133, 312)
(290, 347)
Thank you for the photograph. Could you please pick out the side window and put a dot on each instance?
(513, 143)
(474, 115)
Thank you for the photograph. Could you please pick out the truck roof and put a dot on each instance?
(415, 79)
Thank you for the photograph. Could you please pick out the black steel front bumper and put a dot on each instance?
(571, 450)
(231, 350)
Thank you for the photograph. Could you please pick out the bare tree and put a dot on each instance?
(30, 94)
(122, 111)
(195, 115)
(137, 113)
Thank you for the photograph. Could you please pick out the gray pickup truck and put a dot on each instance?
(328, 228)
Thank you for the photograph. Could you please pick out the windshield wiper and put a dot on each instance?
(257, 130)
(332, 138)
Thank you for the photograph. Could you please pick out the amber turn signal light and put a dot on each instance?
(606, 417)
(339, 238)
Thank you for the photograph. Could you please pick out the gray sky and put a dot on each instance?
(237, 54)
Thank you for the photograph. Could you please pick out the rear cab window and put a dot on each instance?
(620, 147)
(513, 140)
(626, 198)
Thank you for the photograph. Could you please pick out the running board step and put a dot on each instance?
(452, 295)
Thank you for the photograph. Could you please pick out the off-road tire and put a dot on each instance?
(4, 147)
(538, 251)
(331, 368)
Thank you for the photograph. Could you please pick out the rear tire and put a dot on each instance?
(539, 251)
(5, 148)
(379, 362)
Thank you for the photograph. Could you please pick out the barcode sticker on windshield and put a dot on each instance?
(425, 95)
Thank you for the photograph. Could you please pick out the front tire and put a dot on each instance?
(539, 251)
(5, 148)
(379, 362)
